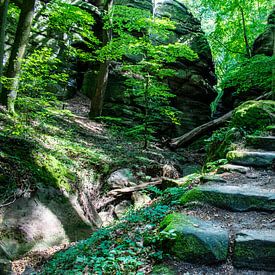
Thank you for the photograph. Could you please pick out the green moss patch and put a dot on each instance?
(253, 115)
(194, 240)
(255, 249)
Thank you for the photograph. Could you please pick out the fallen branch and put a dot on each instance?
(142, 186)
(205, 128)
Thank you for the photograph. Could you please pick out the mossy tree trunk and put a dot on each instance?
(9, 93)
(97, 97)
(3, 23)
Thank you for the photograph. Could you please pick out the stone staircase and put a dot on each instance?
(230, 223)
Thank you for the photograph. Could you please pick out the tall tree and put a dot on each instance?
(3, 22)
(97, 97)
(9, 92)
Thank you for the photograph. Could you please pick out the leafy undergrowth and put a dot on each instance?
(50, 146)
(131, 246)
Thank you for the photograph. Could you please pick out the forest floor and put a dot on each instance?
(68, 134)
(65, 132)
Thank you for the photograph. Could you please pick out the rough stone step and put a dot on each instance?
(234, 198)
(264, 143)
(255, 250)
(194, 240)
(233, 168)
(251, 158)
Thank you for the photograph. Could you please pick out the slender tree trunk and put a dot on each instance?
(98, 96)
(3, 23)
(9, 93)
(146, 115)
(248, 51)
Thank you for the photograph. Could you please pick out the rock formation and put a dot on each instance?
(194, 81)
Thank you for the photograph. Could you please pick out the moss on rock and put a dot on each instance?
(231, 197)
(254, 115)
(194, 240)
(255, 249)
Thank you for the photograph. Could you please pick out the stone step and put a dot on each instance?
(255, 250)
(194, 240)
(234, 198)
(264, 143)
(233, 168)
(251, 158)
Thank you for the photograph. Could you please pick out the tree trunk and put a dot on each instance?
(97, 98)
(248, 51)
(9, 93)
(3, 23)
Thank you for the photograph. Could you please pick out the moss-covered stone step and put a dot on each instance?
(234, 198)
(255, 250)
(194, 240)
(251, 158)
(264, 143)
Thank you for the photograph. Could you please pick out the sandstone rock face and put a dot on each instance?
(264, 44)
(194, 81)
(38, 222)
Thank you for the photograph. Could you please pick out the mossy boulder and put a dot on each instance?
(194, 240)
(232, 197)
(255, 250)
(254, 115)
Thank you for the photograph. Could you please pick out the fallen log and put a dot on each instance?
(199, 131)
(205, 128)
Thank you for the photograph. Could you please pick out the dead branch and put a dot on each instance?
(142, 186)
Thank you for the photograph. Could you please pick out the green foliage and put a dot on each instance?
(125, 248)
(221, 142)
(213, 165)
(254, 73)
(65, 18)
(41, 71)
(222, 23)
(136, 34)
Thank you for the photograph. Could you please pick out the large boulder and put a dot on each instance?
(193, 82)
(40, 221)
